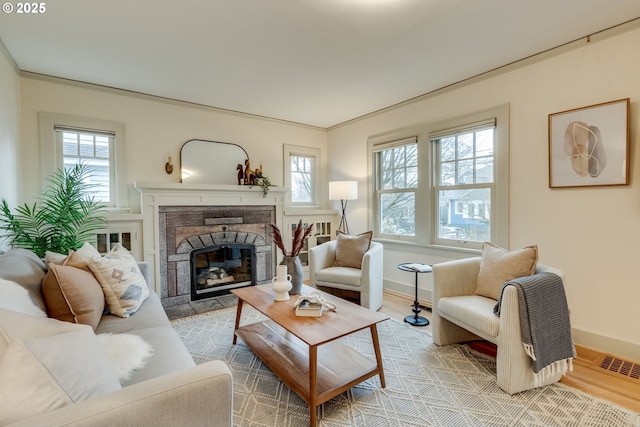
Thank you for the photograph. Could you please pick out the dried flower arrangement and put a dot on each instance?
(299, 235)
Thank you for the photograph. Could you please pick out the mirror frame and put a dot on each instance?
(213, 176)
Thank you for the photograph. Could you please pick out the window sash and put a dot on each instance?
(396, 179)
(302, 169)
(94, 148)
(463, 208)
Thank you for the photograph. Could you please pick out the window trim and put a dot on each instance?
(425, 206)
(297, 150)
(51, 157)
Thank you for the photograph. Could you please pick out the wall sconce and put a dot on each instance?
(168, 167)
(343, 191)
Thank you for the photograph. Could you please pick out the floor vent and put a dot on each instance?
(622, 367)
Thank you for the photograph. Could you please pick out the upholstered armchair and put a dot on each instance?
(363, 283)
(460, 315)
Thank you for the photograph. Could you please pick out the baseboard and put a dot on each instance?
(424, 295)
(605, 344)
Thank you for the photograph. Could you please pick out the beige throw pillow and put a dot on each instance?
(80, 258)
(351, 249)
(73, 295)
(124, 286)
(499, 265)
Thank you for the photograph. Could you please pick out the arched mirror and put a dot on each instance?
(211, 162)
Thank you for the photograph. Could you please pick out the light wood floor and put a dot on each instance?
(587, 375)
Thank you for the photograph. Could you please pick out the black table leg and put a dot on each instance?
(416, 320)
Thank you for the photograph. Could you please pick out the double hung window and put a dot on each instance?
(95, 149)
(443, 184)
(464, 183)
(68, 140)
(396, 164)
(302, 174)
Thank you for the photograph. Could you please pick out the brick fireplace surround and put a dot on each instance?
(183, 229)
(178, 218)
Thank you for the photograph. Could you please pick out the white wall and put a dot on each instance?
(154, 127)
(590, 233)
(9, 130)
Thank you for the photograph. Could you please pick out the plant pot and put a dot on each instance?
(294, 268)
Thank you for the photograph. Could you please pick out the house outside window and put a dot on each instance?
(302, 175)
(443, 184)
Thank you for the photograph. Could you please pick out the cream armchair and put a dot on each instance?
(364, 283)
(459, 316)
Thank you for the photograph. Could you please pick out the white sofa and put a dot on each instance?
(460, 316)
(170, 390)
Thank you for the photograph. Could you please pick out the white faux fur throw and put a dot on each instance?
(127, 352)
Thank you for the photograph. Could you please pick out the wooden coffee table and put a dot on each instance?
(304, 352)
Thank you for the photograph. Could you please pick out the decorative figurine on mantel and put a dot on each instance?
(247, 176)
(240, 173)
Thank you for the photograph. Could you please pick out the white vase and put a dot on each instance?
(282, 284)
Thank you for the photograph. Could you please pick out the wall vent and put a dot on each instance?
(617, 366)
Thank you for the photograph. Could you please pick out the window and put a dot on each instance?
(95, 150)
(397, 183)
(464, 182)
(445, 183)
(302, 174)
(67, 140)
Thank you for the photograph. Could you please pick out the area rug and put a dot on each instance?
(427, 385)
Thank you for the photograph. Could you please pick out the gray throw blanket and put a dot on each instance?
(544, 322)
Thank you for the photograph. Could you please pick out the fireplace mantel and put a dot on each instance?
(154, 195)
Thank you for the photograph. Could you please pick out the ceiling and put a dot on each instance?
(315, 62)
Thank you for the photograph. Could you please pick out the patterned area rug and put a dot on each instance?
(427, 385)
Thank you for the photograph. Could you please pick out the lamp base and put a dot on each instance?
(344, 227)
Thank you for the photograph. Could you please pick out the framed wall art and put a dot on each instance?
(589, 146)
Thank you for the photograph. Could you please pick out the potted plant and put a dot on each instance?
(291, 258)
(67, 216)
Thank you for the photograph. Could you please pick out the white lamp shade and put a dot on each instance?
(343, 190)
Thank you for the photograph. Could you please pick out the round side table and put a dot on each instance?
(416, 268)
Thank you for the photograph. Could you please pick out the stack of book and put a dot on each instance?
(309, 309)
(421, 268)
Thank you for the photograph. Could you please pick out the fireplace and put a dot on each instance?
(205, 251)
(217, 269)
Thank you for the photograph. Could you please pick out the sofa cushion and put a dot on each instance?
(18, 325)
(14, 296)
(498, 265)
(149, 315)
(124, 286)
(351, 249)
(472, 312)
(26, 268)
(41, 374)
(169, 354)
(73, 295)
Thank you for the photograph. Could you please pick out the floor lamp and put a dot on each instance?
(343, 191)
